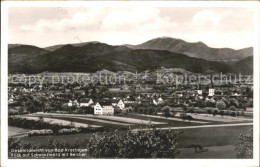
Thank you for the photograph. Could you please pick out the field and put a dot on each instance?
(218, 141)
(216, 134)
(15, 131)
(135, 121)
(218, 152)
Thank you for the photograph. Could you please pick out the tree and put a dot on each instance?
(166, 111)
(250, 94)
(222, 113)
(89, 110)
(140, 110)
(232, 108)
(221, 105)
(185, 109)
(151, 111)
(31, 107)
(234, 102)
(244, 147)
(188, 117)
(173, 112)
(209, 111)
(201, 103)
(233, 114)
(226, 101)
(144, 110)
(190, 110)
(210, 102)
(130, 109)
(20, 110)
(117, 110)
(134, 144)
(215, 112)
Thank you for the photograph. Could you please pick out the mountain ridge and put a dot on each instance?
(194, 49)
(95, 56)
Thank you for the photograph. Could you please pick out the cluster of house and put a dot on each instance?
(211, 92)
(100, 108)
(107, 107)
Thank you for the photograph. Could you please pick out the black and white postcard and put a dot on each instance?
(132, 81)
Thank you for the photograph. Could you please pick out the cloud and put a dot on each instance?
(217, 27)
(222, 20)
(207, 20)
(114, 20)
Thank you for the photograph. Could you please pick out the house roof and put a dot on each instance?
(86, 100)
(105, 104)
(115, 100)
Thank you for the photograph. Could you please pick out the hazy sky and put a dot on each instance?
(217, 27)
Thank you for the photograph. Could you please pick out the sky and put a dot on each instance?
(46, 26)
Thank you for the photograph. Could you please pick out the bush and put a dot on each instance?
(222, 113)
(37, 124)
(220, 105)
(134, 144)
(119, 144)
(228, 112)
(209, 111)
(215, 112)
(190, 110)
(166, 110)
(232, 108)
(187, 117)
(233, 114)
(242, 113)
(234, 102)
(68, 131)
(40, 132)
(201, 104)
(244, 147)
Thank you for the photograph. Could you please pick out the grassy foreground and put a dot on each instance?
(215, 136)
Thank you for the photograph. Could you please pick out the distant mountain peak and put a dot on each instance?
(194, 49)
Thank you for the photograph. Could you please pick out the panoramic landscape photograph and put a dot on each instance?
(127, 82)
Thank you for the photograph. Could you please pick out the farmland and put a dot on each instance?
(216, 139)
(213, 139)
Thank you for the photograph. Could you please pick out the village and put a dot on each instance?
(76, 110)
(113, 99)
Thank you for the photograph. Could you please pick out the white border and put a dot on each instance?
(136, 162)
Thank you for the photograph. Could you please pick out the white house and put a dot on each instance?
(179, 94)
(73, 103)
(70, 103)
(121, 104)
(118, 103)
(98, 109)
(86, 102)
(11, 99)
(160, 100)
(155, 102)
(199, 92)
(103, 109)
(211, 92)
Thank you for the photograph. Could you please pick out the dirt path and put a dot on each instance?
(218, 118)
(204, 126)
(173, 119)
